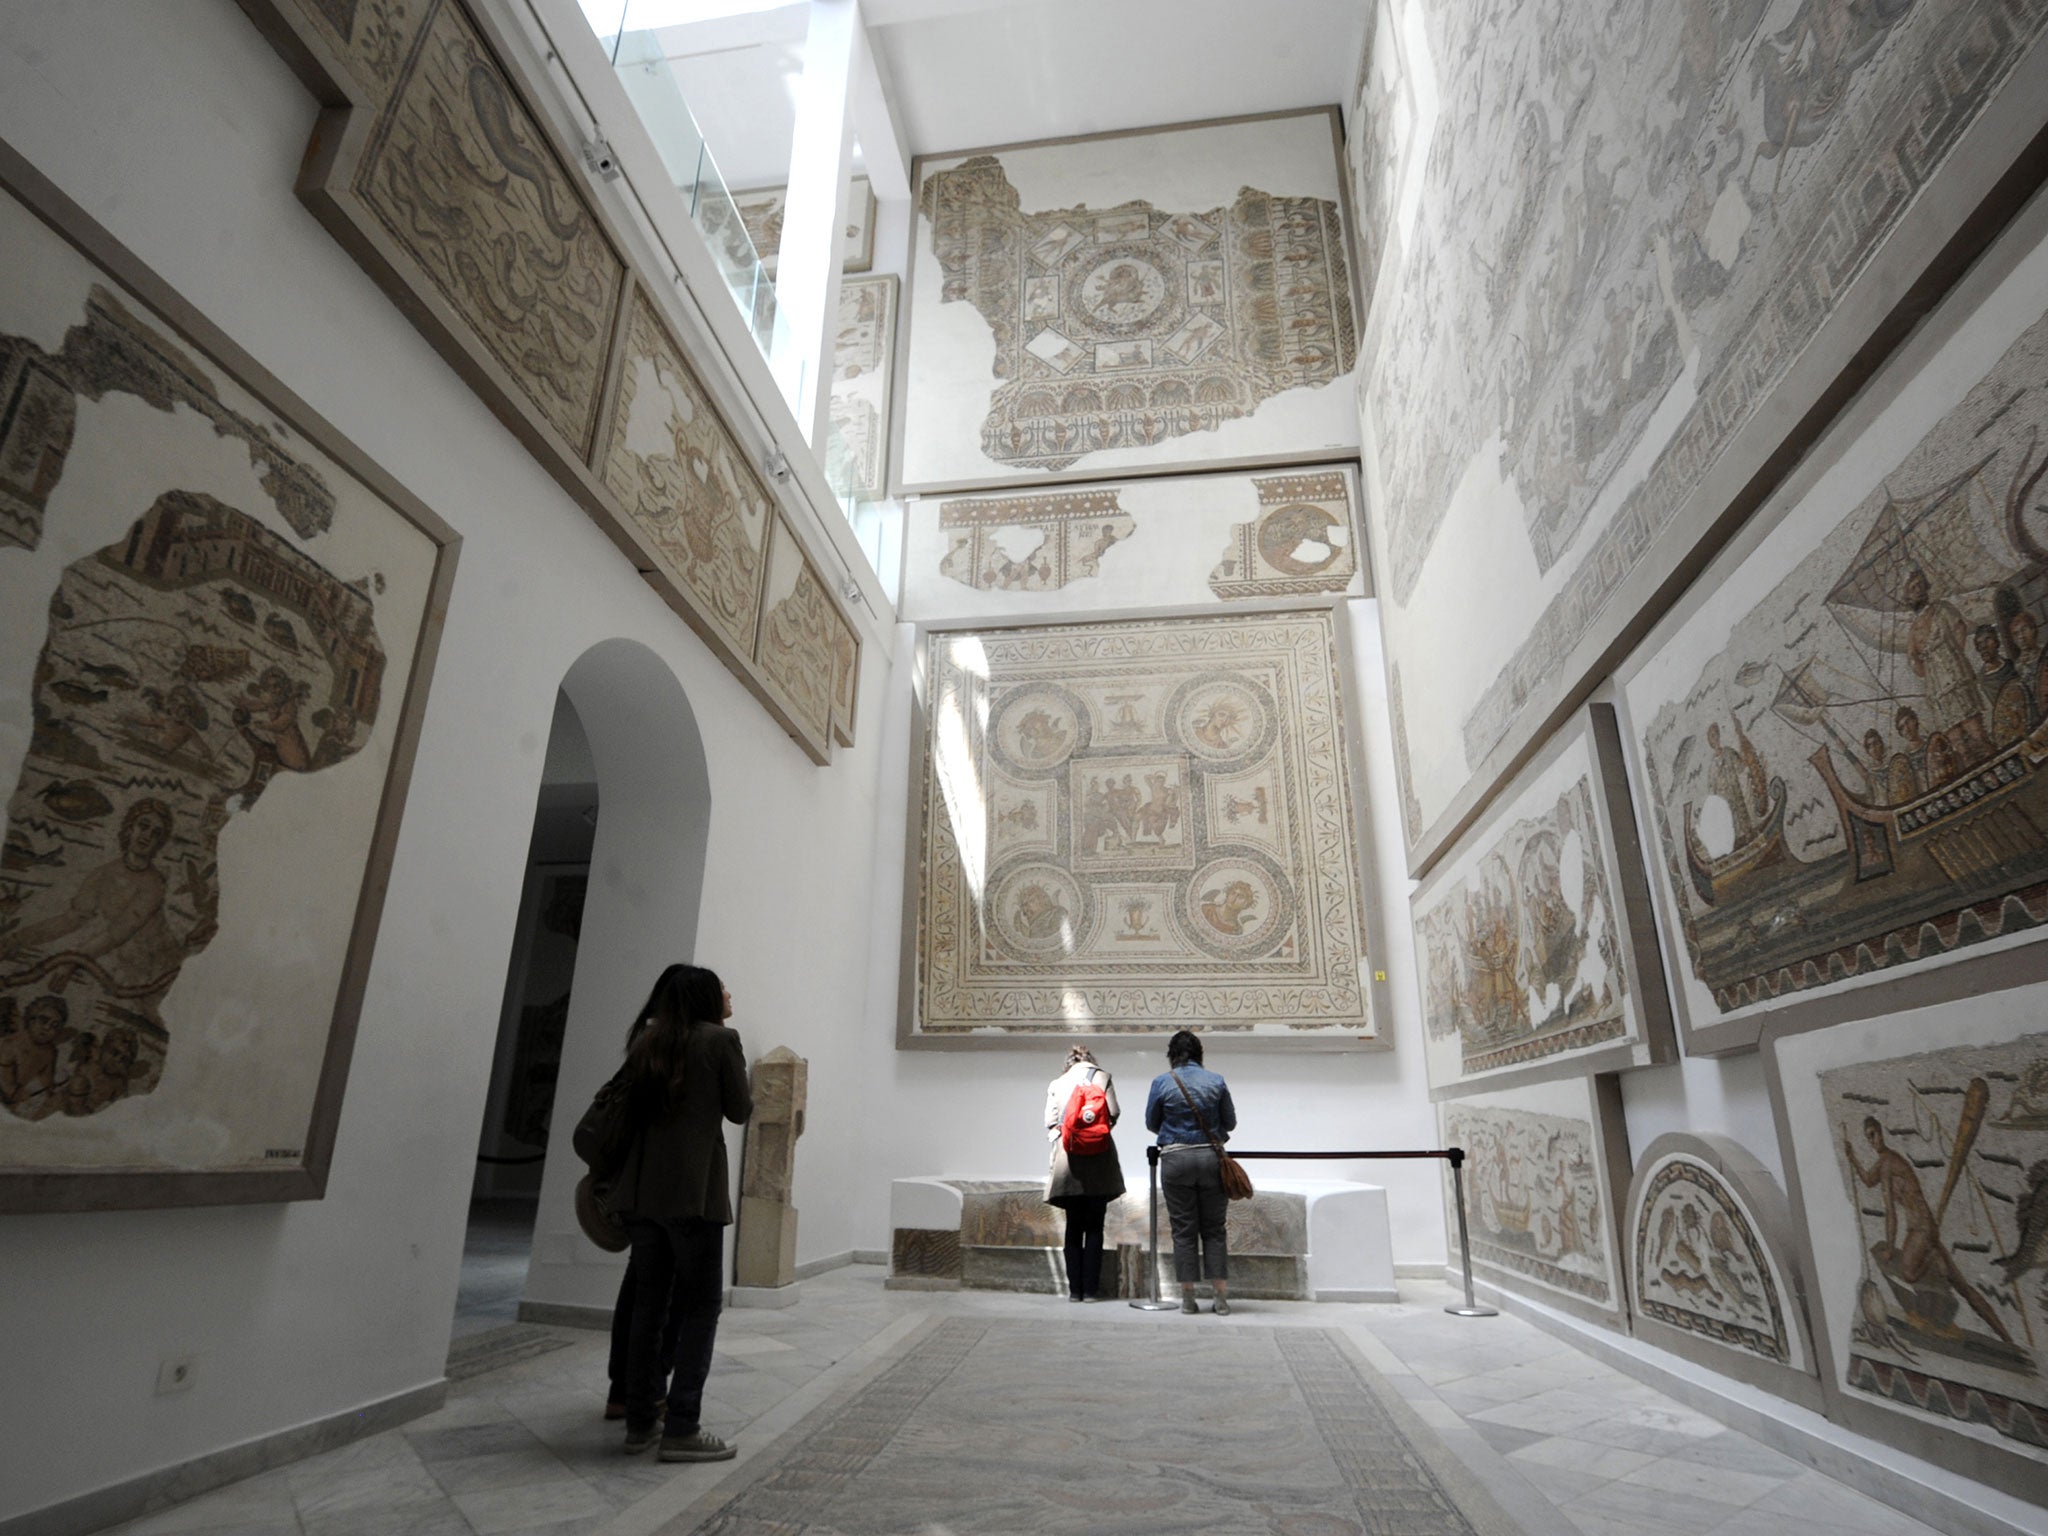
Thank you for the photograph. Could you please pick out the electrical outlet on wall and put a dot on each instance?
(175, 1374)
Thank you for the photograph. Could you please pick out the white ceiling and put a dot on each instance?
(966, 73)
(1041, 69)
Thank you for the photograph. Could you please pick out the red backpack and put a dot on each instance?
(1084, 1128)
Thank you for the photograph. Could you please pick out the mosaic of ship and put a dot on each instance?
(1926, 698)
(1963, 791)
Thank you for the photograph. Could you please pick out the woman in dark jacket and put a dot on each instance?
(1183, 1097)
(685, 1077)
(1081, 1183)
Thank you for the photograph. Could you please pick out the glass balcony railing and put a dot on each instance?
(650, 83)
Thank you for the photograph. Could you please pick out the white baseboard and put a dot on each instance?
(152, 1491)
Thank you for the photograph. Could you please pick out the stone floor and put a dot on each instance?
(1565, 1442)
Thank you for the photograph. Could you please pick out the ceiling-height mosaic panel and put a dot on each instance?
(1127, 301)
(1632, 250)
(1136, 827)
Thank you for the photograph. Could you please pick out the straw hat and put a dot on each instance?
(594, 1216)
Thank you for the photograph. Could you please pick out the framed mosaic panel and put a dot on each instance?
(204, 588)
(1711, 1272)
(863, 369)
(759, 214)
(796, 652)
(1534, 940)
(1129, 303)
(1583, 375)
(1131, 828)
(1541, 1165)
(1917, 1158)
(1841, 740)
(1171, 541)
(441, 171)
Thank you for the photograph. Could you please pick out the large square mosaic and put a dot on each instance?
(1137, 827)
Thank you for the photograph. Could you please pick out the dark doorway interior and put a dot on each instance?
(512, 1142)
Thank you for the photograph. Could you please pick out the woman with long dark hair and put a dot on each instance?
(685, 1075)
(1190, 1108)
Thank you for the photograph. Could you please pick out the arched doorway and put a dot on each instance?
(646, 884)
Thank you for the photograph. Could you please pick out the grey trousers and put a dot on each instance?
(1196, 1206)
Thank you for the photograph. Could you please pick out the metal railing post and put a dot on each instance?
(1152, 1303)
(1471, 1307)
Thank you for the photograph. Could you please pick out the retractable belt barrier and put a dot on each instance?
(1455, 1156)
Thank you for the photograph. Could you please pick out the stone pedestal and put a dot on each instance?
(765, 1246)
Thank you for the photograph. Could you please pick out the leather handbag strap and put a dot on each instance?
(1200, 1119)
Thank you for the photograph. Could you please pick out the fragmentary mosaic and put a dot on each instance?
(1302, 541)
(466, 184)
(1700, 1265)
(1689, 219)
(1035, 543)
(1536, 1207)
(1130, 326)
(1858, 779)
(1137, 827)
(863, 348)
(676, 471)
(176, 672)
(1943, 1157)
(1522, 955)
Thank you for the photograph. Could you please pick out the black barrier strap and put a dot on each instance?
(1453, 1155)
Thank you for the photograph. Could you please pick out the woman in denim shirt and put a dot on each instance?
(1188, 1175)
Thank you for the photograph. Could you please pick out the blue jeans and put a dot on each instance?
(676, 1264)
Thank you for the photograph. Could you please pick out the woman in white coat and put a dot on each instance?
(1080, 1106)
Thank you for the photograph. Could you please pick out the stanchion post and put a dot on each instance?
(1151, 1302)
(1471, 1307)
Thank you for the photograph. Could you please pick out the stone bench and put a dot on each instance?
(1295, 1240)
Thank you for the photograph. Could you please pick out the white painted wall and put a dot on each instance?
(975, 1113)
(178, 127)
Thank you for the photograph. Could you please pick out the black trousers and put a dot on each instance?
(622, 1328)
(679, 1263)
(1084, 1244)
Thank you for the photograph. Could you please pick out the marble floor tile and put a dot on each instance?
(1650, 1509)
(1812, 1497)
(534, 1467)
(1690, 1480)
(490, 1511)
(523, 1450)
(256, 1502)
(1605, 1462)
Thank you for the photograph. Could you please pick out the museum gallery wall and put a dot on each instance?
(1831, 746)
(433, 169)
(219, 619)
(1181, 542)
(1130, 828)
(1536, 955)
(1137, 302)
(1613, 304)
